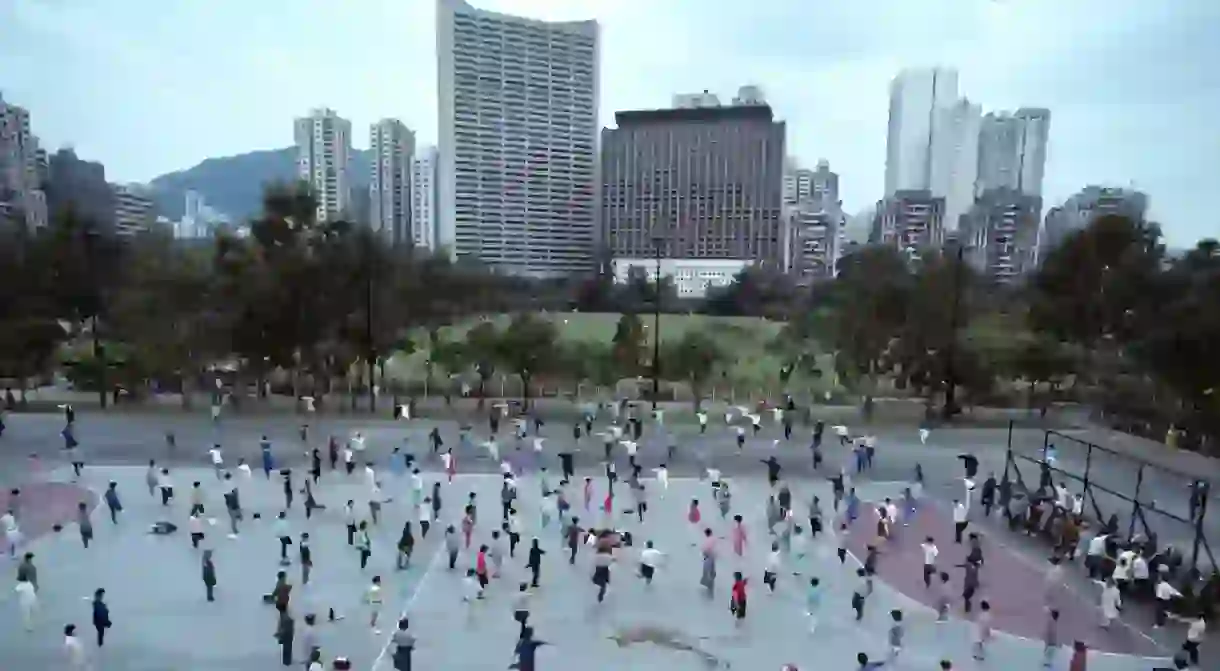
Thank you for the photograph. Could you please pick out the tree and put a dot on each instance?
(860, 312)
(164, 311)
(694, 358)
(526, 347)
(30, 331)
(756, 291)
(627, 345)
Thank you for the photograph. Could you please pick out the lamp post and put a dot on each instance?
(371, 353)
(99, 350)
(657, 241)
(950, 374)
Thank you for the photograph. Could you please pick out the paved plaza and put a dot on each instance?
(163, 623)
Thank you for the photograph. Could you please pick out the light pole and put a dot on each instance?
(99, 350)
(371, 354)
(657, 241)
(950, 374)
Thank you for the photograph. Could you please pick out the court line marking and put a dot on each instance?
(419, 587)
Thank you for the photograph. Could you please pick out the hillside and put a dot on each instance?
(234, 184)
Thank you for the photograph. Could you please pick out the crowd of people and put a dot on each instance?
(586, 519)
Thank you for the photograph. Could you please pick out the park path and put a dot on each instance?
(1013, 584)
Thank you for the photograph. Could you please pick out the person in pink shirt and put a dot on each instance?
(480, 567)
(588, 492)
(739, 536)
(708, 577)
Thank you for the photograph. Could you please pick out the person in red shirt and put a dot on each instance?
(480, 566)
(737, 603)
(1080, 657)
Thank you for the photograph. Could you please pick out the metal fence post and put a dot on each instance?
(1199, 515)
(1088, 464)
(1135, 502)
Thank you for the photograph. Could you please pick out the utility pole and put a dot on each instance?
(99, 350)
(950, 374)
(657, 241)
(371, 353)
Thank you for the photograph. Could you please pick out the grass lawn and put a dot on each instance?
(746, 338)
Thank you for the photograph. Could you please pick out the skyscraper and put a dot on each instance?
(1012, 151)
(423, 199)
(517, 176)
(932, 139)
(324, 147)
(707, 180)
(21, 168)
(392, 146)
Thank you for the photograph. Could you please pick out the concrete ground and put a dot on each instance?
(162, 620)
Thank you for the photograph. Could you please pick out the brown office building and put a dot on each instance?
(706, 180)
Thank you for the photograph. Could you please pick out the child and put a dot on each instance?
(372, 598)
(737, 599)
(895, 637)
(471, 590)
(813, 603)
(983, 632)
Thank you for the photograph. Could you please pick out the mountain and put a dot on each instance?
(234, 185)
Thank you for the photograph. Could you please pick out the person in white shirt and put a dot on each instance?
(357, 443)
(74, 650)
(1194, 638)
(372, 599)
(194, 525)
(27, 600)
(702, 417)
(538, 440)
(1111, 603)
(960, 521)
(930, 553)
(1122, 570)
(841, 432)
(370, 477)
(349, 459)
(713, 474)
(1165, 594)
(244, 469)
(218, 462)
(12, 533)
(650, 559)
(662, 478)
(923, 436)
(1140, 574)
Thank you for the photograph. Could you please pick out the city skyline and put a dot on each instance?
(1147, 125)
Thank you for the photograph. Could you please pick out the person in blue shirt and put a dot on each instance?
(101, 616)
(527, 648)
(268, 462)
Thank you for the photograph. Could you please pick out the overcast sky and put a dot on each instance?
(151, 86)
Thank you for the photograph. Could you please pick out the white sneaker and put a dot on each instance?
(233, 536)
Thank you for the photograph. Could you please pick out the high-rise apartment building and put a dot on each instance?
(80, 187)
(517, 178)
(133, 209)
(932, 139)
(910, 221)
(423, 199)
(1001, 234)
(705, 181)
(1086, 205)
(392, 146)
(22, 169)
(1012, 151)
(324, 148)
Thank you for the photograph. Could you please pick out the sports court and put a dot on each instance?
(163, 623)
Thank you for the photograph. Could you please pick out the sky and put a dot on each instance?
(152, 86)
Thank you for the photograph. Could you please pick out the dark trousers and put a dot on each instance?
(572, 556)
(929, 570)
(958, 529)
(196, 538)
(286, 651)
(1192, 649)
(534, 571)
(101, 634)
(210, 589)
(364, 558)
(453, 555)
(167, 493)
(967, 598)
(566, 464)
(284, 543)
(114, 515)
(351, 534)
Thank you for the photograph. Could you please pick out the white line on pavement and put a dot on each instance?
(419, 586)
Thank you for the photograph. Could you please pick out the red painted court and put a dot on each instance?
(1013, 585)
(45, 504)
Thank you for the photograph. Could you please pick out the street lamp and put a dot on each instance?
(657, 241)
(99, 350)
(371, 354)
(950, 374)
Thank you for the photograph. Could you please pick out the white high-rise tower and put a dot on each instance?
(517, 175)
(324, 148)
(932, 139)
(423, 199)
(1012, 151)
(392, 146)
